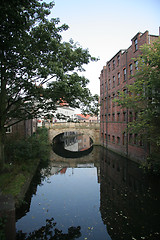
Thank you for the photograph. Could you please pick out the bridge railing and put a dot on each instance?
(78, 125)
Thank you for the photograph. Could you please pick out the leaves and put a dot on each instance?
(37, 68)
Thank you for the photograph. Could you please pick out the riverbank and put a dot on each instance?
(24, 157)
(15, 185)
(16, 179)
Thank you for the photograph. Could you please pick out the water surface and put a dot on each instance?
(99, 197)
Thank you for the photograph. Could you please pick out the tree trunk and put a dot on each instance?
(2, 155)
(3, 104)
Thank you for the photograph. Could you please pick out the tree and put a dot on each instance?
(144, 97)
(37, 68)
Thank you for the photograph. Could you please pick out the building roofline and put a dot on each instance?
(120, 51)
(135, 36)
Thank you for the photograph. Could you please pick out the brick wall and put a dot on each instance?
(22, 129)
(113, 78)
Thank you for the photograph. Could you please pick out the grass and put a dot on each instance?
(13, 179)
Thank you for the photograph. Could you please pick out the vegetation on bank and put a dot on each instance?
(143, 98)
(23, 157)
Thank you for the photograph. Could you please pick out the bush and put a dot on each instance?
(36, 146)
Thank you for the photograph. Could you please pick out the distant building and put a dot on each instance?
(63, 113)
(118, 72)
(86, 118)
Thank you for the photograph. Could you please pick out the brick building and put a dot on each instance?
(118, 72)
(22, 129)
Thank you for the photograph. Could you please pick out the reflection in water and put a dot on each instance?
(72, 144)
(46, 232)
(107, 197)
(75, 142)
(129, 200)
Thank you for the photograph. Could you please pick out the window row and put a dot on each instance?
(111, 66)
(117, 79)
(116, 60)
(120, 117)
(134, 139)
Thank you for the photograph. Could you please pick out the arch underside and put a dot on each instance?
(53, 133)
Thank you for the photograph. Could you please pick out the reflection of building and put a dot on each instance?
(70, 141)
(74, 141)
(114, 77)
(128, 206)
(84, 142)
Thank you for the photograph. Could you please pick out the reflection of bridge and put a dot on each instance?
(90, 129)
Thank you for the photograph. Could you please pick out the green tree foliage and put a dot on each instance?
(37, 67)
(143, 97)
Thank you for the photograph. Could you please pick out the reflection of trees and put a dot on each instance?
(37, 180)
(47, 232)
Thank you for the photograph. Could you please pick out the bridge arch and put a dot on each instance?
(90, 129)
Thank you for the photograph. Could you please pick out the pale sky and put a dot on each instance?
(105, 27)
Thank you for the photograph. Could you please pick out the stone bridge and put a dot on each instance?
(91, 129)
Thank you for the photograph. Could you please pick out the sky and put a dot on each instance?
(105, 26)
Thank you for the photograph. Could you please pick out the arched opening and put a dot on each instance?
(72, 144)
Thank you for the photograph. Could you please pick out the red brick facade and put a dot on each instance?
(113, 78)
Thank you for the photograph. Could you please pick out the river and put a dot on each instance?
(99, 196)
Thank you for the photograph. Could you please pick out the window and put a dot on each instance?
(118, 140)
(109, 67)
(136, 65)
(130, 138)
(109, 84)
(130, 116)
(124, 116)
(105, 136)
(9, 129)
(118, 78)
(109, 101)
(135, 138)
(118, 117)
(113, 64)
(109, 137)
(109, 116)
(118, 60)
(113, 103)
(141, 142)
(113, 117)
(125, 91)
(113, 139)
(124, 74)
(130, 70)
(124, 138)
(136, 44)
(113, 81)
